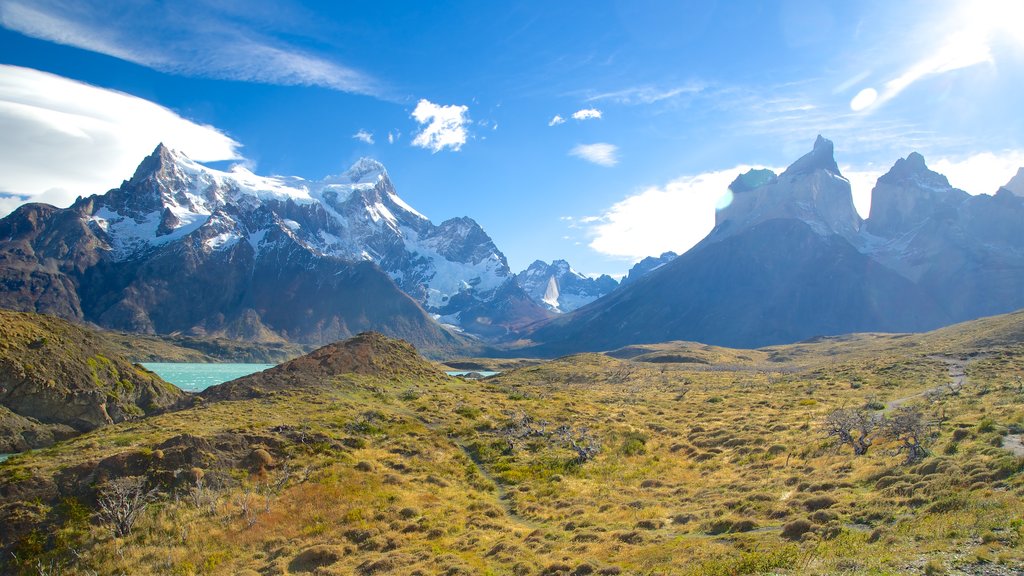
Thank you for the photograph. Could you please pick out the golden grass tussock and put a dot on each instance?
(588, 464)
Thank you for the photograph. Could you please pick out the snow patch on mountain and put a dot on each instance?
(354, 216)
(560, 288)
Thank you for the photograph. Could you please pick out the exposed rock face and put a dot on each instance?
(1016, 184)
(183, 248)
(779, 281)
(368, 354)
(811, 190)
(649, 264)
(560, 288)
(58, 380)
(790, 259)
(966, 252)
(909, 195)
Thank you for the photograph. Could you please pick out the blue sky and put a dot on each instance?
(658, 104)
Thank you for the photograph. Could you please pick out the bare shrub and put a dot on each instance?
(856, 427)
(122, 501)
(908, 427)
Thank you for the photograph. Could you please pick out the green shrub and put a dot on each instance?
(633, 443)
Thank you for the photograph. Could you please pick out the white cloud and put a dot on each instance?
(671, 217)
(394, 136)
(981, 173)
(600, 153)
(587, 114)
(862, 182)
(364, 136)
(445, 126)
(556, 120)
(175, 39)
(62, 138)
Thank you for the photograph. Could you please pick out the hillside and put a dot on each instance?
(377, 464)
(154, 348)
(58, 380)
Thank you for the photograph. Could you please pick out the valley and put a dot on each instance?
(675, 458)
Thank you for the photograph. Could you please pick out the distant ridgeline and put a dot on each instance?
(790, 259)
(184, 249)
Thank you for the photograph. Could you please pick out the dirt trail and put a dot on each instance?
(1015, 444)
(503, 497)
(957, 369)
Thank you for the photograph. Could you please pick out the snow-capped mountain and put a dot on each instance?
(790, 259)
(560, 288)
(174, 206)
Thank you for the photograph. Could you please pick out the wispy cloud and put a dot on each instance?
(169, 38)
(63, 138)
(556, 120)
(587, 114)
(647, 94)
(601, 153)
(363, 136)
(967, 37)
(444, 126)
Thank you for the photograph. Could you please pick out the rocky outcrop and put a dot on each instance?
(58, 380)
(367, 354)
(811, 190)
(647, 265)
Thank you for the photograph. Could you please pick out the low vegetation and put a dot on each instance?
(741, 463)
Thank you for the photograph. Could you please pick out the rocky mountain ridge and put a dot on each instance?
(791, 259)
(181, 247)
(560, 288)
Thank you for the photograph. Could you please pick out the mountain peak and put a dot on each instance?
(1016, 184)
(161, 157)
(913, 169)
(365, 171)
(753, 178)
(821, 157)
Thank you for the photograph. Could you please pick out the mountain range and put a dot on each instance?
(181, 248)
(790, 259)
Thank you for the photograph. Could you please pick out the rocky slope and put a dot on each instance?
(559, 288)
(183, 248)
(58, 380)
(791, 259)
(649, 264)
(368, 354)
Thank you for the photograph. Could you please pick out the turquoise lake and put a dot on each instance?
(198, 377)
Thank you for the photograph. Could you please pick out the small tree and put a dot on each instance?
(856, 427)
(908, 427)
(580, 441)
(121, 501)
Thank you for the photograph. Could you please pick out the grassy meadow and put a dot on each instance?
(674, 458)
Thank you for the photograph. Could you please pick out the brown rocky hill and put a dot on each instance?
(367, 354)
(58, 380)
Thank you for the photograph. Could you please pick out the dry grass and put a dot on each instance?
(703, 466)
